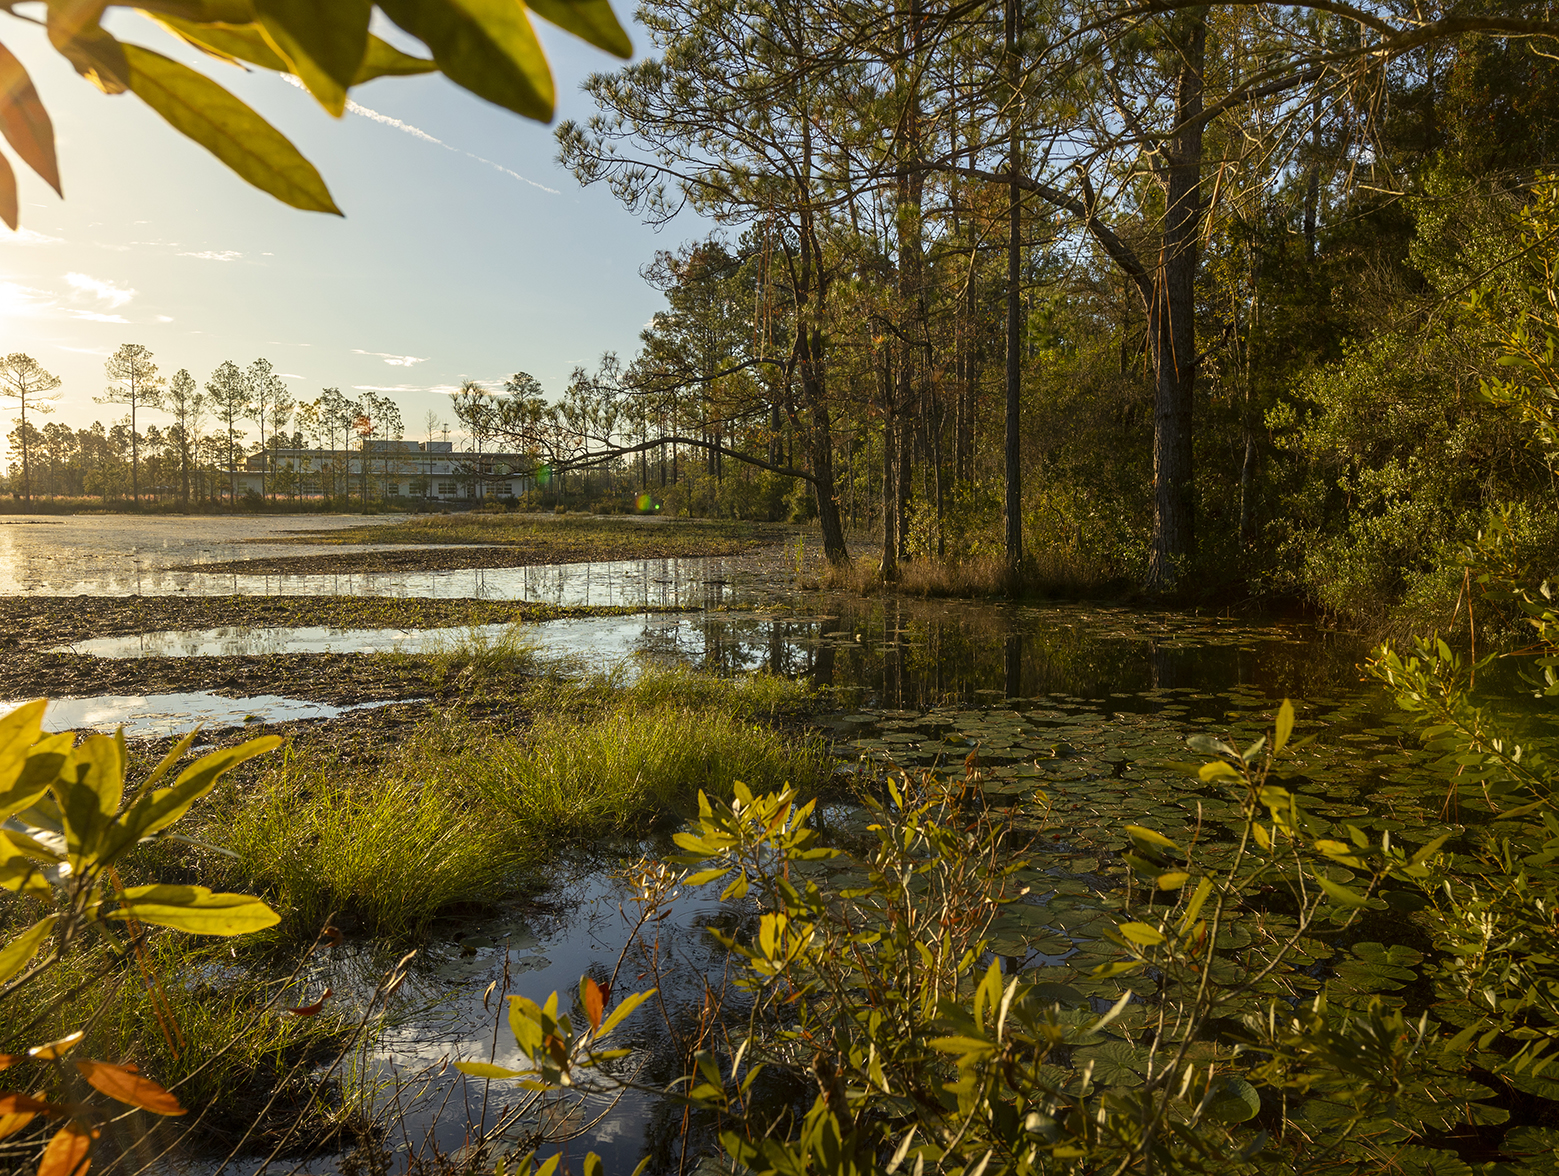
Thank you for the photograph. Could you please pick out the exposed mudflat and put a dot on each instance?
(30, 628)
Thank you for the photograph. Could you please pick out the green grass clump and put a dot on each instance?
(612, 773)
(512, 652)
(383, 848)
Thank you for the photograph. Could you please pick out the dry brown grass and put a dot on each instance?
(1049, 571)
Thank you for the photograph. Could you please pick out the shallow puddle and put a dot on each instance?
(609, 637)
(145, 716)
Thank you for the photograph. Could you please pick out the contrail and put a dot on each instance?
(358, 108)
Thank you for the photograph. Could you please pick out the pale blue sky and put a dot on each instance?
(445, 267)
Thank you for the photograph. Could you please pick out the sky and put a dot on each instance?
(465, 252)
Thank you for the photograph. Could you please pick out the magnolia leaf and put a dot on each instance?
(66, 1154)
(1217, 770)
(486, 1070)
(197, 107)
(53, 1051)
(384, 60)
(703, 876)
(1141, 933)
(1143, 834)
(590, 20)
(25, 123)
(156, 811)
(1172, 881)
(128, 1087)
(1105, 971)
(168, 762)
(96, 56)
(1339, 893)
(196, 910)
(486, 46)
(17, 954)
(39, 771)
(629, 1003)
(228, 42)
(595, 1003)
(1284, 727)
(19, 730)
(325, 43)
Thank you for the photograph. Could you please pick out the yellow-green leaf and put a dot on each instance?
(155, 811)
(228, 42)
(17, 954)
(487, 1070)
(1173, 880)
(629, 1003)
(196, 106)
(1284, 727)
(325, 43)
(589, 20)
(196, 910)
(1217, 770)
(1141, 933)
(1143, 834)
(487, 46)
(384, 60)
(1339, 893)
(1105, 971)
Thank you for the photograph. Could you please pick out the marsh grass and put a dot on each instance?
(615, 772)
(482, 658)
(451, 814)
(387, 849)
(193, 1020)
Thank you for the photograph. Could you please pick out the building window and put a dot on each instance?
(446, 489)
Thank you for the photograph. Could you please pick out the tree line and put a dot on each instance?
(1132, 285)
(195, 456)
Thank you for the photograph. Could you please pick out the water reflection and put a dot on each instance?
(885, 653)
(145, 716)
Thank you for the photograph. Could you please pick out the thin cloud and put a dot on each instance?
(215, 255)
(392, 359)
(28, 237)
(93, 316)
(387, 388)
(85, 350)
(163, 318)
(417, 132)
(103, 291)
(291, 376)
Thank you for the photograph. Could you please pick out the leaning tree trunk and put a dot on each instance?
(1172, 328)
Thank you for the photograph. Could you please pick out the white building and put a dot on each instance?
(396, 469)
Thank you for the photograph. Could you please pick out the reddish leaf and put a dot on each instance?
(313, 1009)
(8, 205)
(11, 1124)
(66, 1154)
(331, 936)
(13, 1104)
(9, 1060)
(122, 1083)
(24, 121)
(595, 1002)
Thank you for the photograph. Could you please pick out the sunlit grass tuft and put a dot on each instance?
(615, 772)
(387, 849)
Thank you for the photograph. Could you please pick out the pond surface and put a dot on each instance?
(127, 555)
(150, 716)
(1070, 713)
